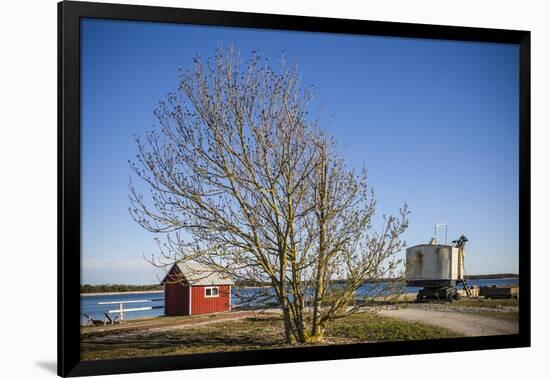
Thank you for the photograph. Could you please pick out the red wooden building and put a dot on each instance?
(191, 288)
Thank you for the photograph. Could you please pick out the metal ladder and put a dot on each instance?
(459, 243)
(467, 287)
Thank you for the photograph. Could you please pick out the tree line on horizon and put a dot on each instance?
(116, 288)
(122, 288)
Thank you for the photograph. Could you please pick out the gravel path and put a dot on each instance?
(464, 323)
(231, 317)
(162, 325)
(467, 321)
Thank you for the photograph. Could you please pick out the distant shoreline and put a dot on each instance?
(468, 277)
(121, 293)
(491, 276)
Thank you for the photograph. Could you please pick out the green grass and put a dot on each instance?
(512, 315)
(375, 328)
(487, 303)
(145, 323)
(245, 334)
(248, 334)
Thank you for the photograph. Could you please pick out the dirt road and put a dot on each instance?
(465, 320)
(235, 316)
(162, 324)
(464, 323)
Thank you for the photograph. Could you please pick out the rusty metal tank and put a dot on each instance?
(434, 265)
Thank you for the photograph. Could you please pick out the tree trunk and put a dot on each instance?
(316, 333)
(316, 329)
(282, 295)
(287, 322)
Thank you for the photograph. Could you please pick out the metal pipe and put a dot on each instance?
(437, 225)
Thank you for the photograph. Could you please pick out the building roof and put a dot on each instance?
(197, 274)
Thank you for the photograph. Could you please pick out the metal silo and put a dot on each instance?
(437, 268)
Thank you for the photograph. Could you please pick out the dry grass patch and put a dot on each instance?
(264, 332)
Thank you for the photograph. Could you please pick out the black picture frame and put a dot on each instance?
(69, 14)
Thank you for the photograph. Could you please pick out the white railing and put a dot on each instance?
(121, 310)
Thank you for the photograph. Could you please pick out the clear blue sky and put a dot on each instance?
(436, 122)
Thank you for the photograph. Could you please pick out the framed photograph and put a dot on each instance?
(239, 188)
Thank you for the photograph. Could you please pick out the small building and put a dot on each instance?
(191, 288)
(499, 292)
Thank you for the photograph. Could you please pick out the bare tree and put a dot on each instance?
(242, 179)
(351, 254)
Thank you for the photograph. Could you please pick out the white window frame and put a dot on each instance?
(212, 287)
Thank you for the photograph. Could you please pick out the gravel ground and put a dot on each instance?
(464, 320)
(463, 309)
